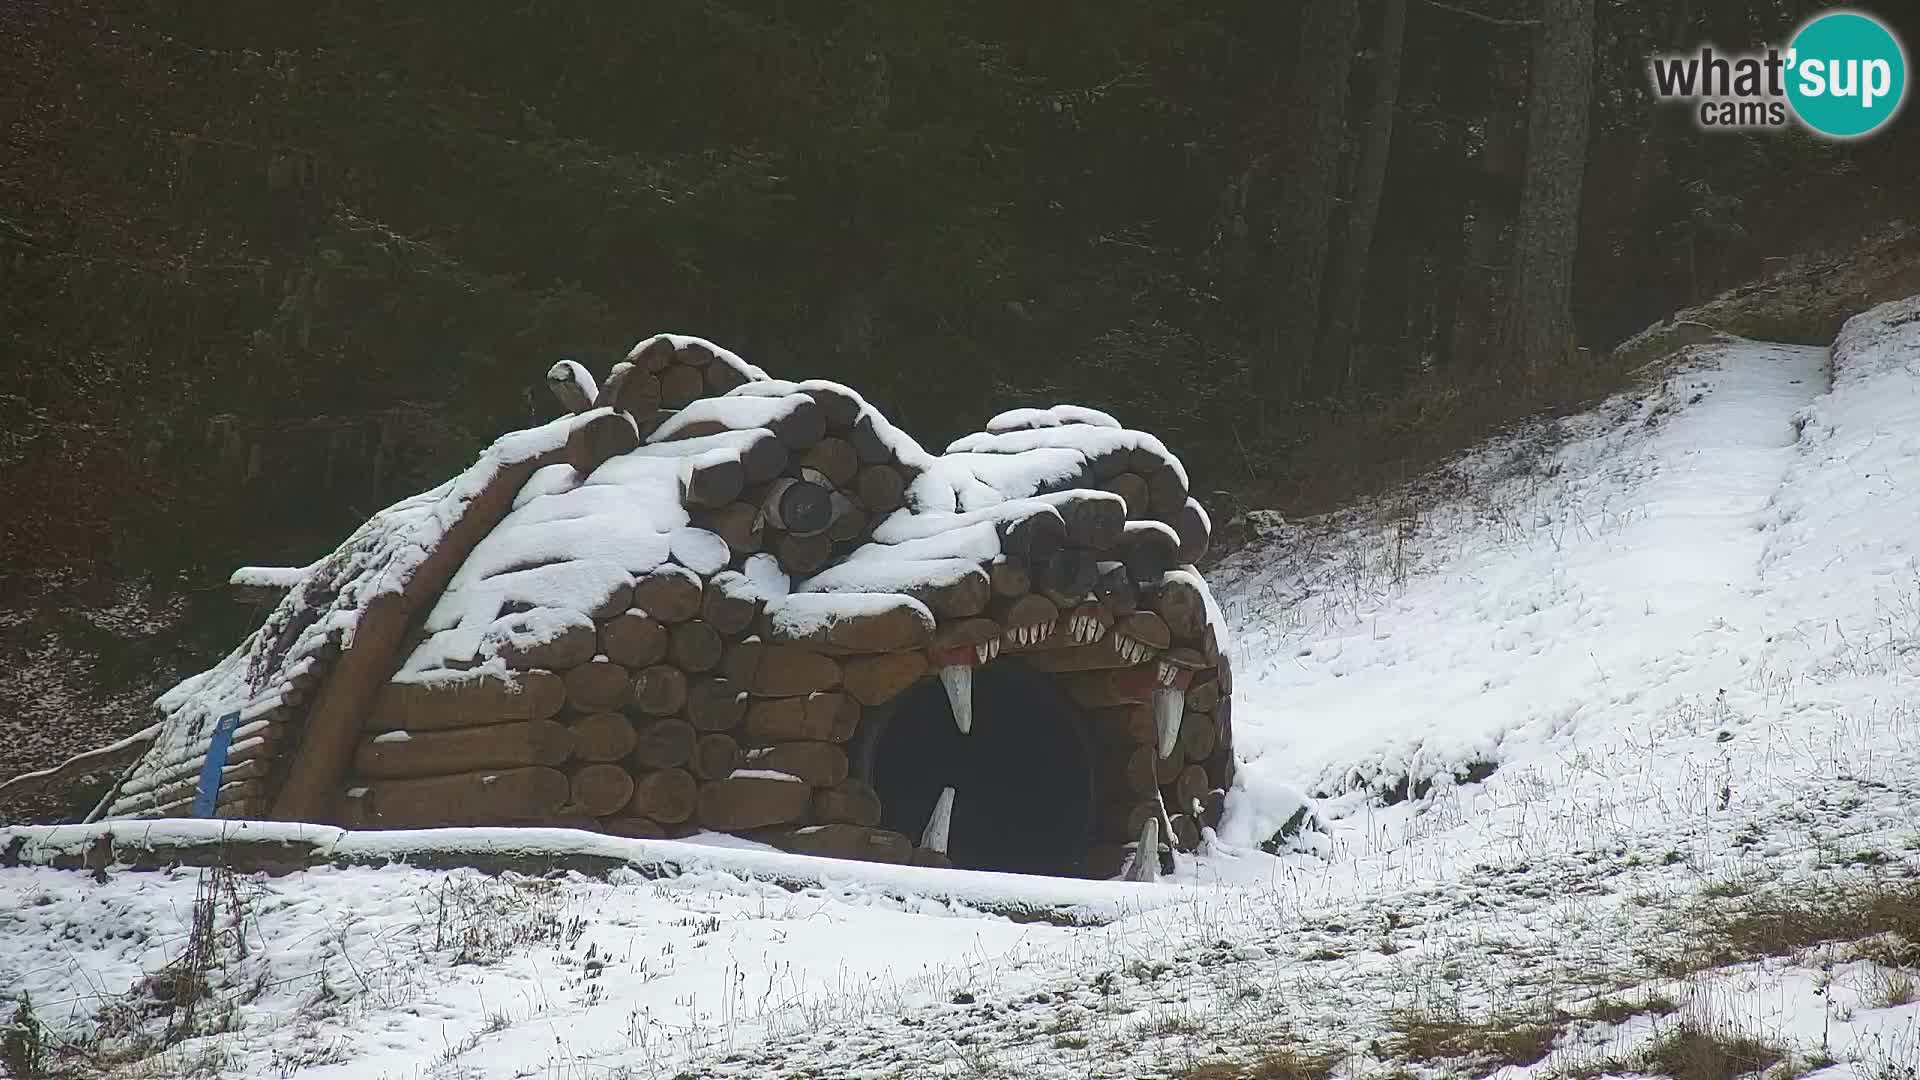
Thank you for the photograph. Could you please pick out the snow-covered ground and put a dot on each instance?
(1633, 669)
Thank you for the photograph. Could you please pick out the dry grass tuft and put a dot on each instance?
(1286, 1063)
(1786, 922)
(1498, 1041)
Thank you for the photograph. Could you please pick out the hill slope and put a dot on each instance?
(1609, 725)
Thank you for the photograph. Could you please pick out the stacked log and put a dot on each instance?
(688, 704)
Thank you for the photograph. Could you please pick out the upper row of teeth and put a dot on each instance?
(987, 650)
(1023, 636)
(1086, 629)
(1131, 649)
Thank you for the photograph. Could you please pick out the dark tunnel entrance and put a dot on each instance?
(1023, 779)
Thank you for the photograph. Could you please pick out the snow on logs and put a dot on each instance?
(815, 563)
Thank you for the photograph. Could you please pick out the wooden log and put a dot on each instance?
(852, 803)
(723, 377)
(1122, 821)
(488, 797)
(1099, 656)
(880, 488)
(1093, 519)
(634, 828)
(843, 841)
(802, 555)
(1129, 771)
(868, 445)
(802, 427)
(716, 704)
(466, 699)
(601, 789)
(776, 670)
(1149, 548)
(402, 754)
(182, 789)
(729, 604)
(670, 593)
(872, 680)
(597, 686)
(602, 736)
(230, 800)
(764, 457)
(664, 744)
(1023, 613)
(741, 802)
(1166, 770)
(1166, 491)
(593, 442)
(816, 717)
(337, 716)
(1198, 735)
(1115, 588)
(1145, 627)
(840, 405)
(715, 756)
(820, 764)
(1178, 601)
(1105, 689)
(692, 354)
(846, 720)
(713, 480)
(1195, 530)
(877, 623)
(634, 640)
(962, 597)
(659, 690)
(1204, 692)
(668, 796)
(1132, 487)
(638, 395)
(653, 355)
(850, 523)
(737, 523)
(1066, 576)
(1009, 578)
(800, 507)
(694, 647)
(833, 459)
(681, 386)
(573, 645)
(1124, 725)
(1033, 536)
(1189, 786)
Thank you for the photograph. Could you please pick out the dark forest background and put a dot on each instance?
(266, 267)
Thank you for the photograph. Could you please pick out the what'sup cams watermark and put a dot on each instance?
(1843, 76)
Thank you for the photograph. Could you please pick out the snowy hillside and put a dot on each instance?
(1613, 729)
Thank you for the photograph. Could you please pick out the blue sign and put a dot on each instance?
(210, 770)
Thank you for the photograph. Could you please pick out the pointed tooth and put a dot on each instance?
(1169, 706)
(958, 680)
(1095, 629)
(983, 651)
(939, 823)
(1146, 856)
(994, 645)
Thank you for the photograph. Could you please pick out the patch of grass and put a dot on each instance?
(1424, 1035)
(1619, 1010)
(1883, 916)
(1890, 988)
(1690, 1050)
(1284, 1063)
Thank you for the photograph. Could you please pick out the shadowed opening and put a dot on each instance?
(1022, 780)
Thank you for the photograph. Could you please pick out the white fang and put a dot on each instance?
(1169, 706)
(958, 680)
(940, 823)
(1146, 856)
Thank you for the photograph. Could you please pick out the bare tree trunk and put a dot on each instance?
(1539, 322)
(1350, 262)
(1316, 128)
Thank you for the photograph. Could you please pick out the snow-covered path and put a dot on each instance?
(1578, 599)
(1684, 637)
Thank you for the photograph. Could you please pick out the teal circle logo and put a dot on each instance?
(1847, 74)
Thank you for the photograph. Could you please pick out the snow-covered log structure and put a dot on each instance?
(705, 599)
